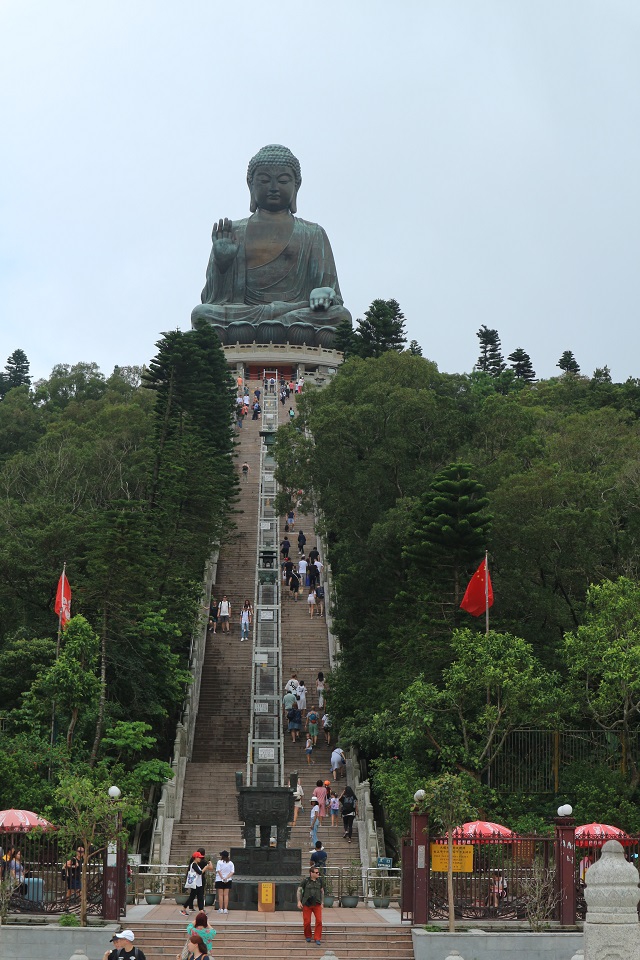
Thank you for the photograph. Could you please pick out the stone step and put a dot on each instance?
(274, 941)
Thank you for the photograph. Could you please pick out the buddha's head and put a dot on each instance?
(274, 179)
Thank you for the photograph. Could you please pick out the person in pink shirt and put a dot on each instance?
(320, 792)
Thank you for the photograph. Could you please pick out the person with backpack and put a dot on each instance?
(310, 901)
(301, 542)
(312, 725)
(123, 947)
(349, 811)
(294, 584)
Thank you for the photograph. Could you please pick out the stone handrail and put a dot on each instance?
(170, 804)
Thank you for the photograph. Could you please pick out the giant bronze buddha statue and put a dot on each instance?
(271, 277)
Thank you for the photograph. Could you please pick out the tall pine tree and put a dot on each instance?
(568, 363)
(521, 365)
(16, 372)
(381, 329)
(451, 529)
(490, 360)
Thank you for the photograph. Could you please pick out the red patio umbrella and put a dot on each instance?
(595, 834)
(19, 821)
(482, 831)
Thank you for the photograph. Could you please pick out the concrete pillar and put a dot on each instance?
(611, 926)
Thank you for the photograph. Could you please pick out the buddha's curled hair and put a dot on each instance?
(274, 153)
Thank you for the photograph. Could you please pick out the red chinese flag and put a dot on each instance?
(63, 600)
(476, 599)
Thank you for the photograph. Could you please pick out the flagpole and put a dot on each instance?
(486, 590)
(63, 578)
(53, 703)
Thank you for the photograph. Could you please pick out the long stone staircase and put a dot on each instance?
(209, 815)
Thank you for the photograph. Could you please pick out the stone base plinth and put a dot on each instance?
(244, 892)
(611, 941)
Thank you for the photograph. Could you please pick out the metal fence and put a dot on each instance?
(44, 886)
(167, 882)
(492, 879)
(531, 761)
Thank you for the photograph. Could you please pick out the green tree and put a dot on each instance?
(344, 338)
(568, 363)
(90, 817)
(381, 329)
(447, 800)
(451, 529)
(494, 685)
(603, 660)
(490, 360)
(415, 349)
(70, 682)
(16, 372)
(521, 364)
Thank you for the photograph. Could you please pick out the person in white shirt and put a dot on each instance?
(311, 600)
(245, 621)
(224, 614)
(224, 873)
(302, 569)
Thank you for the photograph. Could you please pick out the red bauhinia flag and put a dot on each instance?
(63, 599)
(478, 596)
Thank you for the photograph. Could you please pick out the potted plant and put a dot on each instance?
(328, 890)
(350, 884)
(210, 898)
(153, 893)
(382, 887)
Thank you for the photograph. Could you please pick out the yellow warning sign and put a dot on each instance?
(266, 897)
(462, 857)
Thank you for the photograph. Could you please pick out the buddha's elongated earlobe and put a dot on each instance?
(253, 206)
(293, 206)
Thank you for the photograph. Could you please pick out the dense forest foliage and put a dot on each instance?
(129, 479)
(415, 473)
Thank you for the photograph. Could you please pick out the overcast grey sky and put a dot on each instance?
(477, 160)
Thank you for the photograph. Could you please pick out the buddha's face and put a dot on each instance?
(274, 187)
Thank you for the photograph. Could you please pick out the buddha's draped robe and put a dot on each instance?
(277, 290)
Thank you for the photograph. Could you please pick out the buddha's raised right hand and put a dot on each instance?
(225, 244)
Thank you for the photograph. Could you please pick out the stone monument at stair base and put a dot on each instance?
(611, 928)
(266, 813)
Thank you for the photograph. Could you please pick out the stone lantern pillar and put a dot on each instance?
(611, 928)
